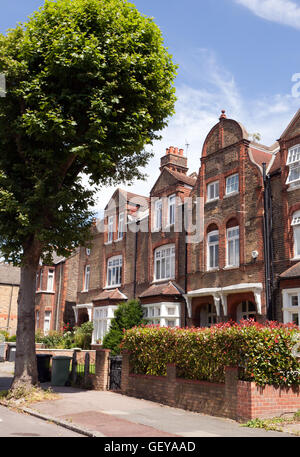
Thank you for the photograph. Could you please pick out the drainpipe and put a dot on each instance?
(267, 244)
(135, 258)
(58, 297)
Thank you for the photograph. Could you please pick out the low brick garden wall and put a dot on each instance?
(235, 399)
(69, 353)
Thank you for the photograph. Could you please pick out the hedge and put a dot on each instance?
(264, 351)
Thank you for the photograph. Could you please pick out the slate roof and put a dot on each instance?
(9, 274)
(169, 288)
(112, 294)
(292, 272)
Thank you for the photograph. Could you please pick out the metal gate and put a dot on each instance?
(115, 371)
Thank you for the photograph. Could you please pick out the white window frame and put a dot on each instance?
(158, 214)
(37, 319)
(164, 262)
(48, 321)
(293, 161)
(296, 229)
(171, 209)
(87, 275)
(50, 280)
(88, 251)
(232, 184)
(233, 238)
(215, 245)
(159, 314)
(288, 308)
(121, 226)
(114, 271)
(215, 187)
(110, 229)
(41, 279)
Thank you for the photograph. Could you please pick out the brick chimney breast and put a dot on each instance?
(174, 160)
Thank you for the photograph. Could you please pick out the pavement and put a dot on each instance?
(111, 414)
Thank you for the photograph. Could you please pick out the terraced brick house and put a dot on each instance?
(243, 263)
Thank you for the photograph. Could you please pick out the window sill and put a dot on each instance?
(232, 194)
(291, 188)
(158, 281)
(295, 259)
(213, 200)
(45, 292)
(108, 243)
(115, 286)
(209, 270)
(231, 267)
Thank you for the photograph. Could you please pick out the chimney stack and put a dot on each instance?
(174, 160)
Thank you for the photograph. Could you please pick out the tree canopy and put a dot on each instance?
(89, 84)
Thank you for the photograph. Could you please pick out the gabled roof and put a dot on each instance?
(138, 199)
(9, 274)
(169, 288)
(295, 118)
(113, 294)
(293, 272)
(179, 177)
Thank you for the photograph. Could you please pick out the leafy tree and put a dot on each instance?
(89, 84)
(127, 315)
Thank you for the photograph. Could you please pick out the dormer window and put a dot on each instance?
(293, 162)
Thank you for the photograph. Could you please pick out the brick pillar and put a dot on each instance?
(125, 371)
(101, 368)
(171, 384)
(231, 385)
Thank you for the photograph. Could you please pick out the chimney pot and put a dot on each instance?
(171, 150)
(181, 152)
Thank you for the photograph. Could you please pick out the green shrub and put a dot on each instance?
(264, 351)
(127, 315)
(3, 336)
(83, 335)
(54, 340)
(12, 339)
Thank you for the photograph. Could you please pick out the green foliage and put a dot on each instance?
(39, 336)
(83, 335)
(89, 84)
(12, 339)
(127, 315)
(264, 351)
(3, 336)
(53, 340)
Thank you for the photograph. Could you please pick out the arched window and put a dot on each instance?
(212, 247)
(233, 244)
(296, 230)
(164, 262)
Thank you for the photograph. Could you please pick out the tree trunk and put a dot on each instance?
(25, 365)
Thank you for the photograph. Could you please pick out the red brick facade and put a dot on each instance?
(215, 277)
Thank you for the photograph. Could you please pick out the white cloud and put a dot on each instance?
(285, 12)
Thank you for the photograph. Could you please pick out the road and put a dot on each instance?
(15, 424)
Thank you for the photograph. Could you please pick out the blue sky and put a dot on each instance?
(237, 55)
